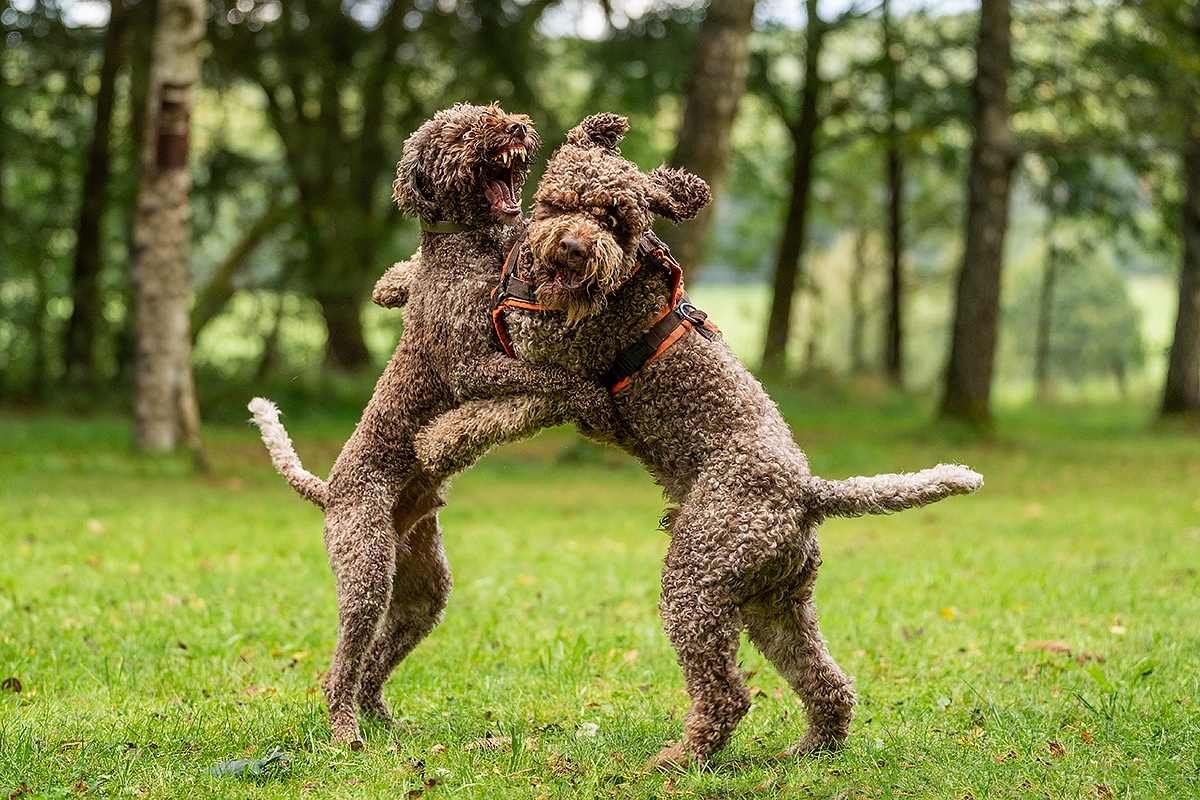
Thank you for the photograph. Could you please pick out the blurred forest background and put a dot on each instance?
(835, 250)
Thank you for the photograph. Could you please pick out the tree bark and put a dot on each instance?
(79, 347)
(791, 247)
(1045, 319)
(893, 349)
(858, 304)
(977, 306)
(717, 79)
(165, 409)
(1181, 394)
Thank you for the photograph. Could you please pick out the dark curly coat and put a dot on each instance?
(744, 553)
(461, 173)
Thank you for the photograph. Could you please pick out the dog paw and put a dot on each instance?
(672, 758)
(439, 456)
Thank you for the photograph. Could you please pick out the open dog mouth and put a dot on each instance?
(500, 180)
(566, 279)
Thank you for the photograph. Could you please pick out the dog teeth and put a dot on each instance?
(508, 156)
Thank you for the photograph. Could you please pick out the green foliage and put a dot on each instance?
(1039, 638)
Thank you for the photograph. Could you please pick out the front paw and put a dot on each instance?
(596, 410)
(439, 455)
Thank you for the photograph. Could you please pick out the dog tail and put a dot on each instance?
(885, 494)
(283, 454)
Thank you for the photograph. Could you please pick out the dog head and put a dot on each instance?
(592, 208)
(466, 165)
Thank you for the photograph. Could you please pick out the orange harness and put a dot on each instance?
(680, 316)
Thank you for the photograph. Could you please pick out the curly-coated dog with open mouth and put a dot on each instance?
(460, 173)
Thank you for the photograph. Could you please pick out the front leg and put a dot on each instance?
(497, 375)
(391, 290)
(455, 440)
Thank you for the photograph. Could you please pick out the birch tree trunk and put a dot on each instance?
(717, 79)
(993, 155)
(165, 410)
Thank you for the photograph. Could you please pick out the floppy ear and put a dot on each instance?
(676, 194)
(599, 130)
(406, 189)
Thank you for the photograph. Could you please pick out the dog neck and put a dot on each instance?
(446, 226)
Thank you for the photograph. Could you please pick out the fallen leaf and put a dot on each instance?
(437, 748)
(1053, 647)
(1056, 749)
(490, 743)
(1119, 630)
(947, 612)
(11, 684)
(1087, 737)
(1103, 791)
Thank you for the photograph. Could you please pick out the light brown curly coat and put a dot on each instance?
(464, 166)
(744, 553)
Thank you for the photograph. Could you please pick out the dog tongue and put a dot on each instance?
(567, 279)
(501, 196)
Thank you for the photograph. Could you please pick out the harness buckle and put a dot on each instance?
(686, 312)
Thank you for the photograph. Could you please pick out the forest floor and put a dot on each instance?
(1038, 639)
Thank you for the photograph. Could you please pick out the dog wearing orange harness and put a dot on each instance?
(596, 294)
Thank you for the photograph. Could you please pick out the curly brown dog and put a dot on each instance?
(460, 172)
(743, 551)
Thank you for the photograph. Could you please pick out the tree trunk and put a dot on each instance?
(893, 345)
(140, 56)
(1045, 319)
(858, 304)
(1181, 394)
(165, 409)
(717, 78)
(346, 348)
(212, 299)
(977, 306)
(804, 137)
(79, 347)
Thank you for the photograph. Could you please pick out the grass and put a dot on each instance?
(1040, 639)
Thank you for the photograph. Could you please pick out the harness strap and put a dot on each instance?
(673, 324)
(516, 291)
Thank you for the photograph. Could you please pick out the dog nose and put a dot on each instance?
(516, 129)
(571, 250)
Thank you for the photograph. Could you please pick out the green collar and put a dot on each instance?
(445, 226)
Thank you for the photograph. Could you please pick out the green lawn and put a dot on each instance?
(1039, 639)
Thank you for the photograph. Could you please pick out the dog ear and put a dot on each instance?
(602, 131)
(676, 194)
(406, 190)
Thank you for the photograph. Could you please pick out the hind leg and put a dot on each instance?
(703, 624)
(361, 543)
(420, 589)
(786, 631)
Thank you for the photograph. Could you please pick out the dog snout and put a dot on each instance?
(571, 251)
(517, 130)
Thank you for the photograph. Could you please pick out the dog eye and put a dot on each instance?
(611, 221)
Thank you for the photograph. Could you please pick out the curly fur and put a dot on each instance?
(744, 553)
(465, 166)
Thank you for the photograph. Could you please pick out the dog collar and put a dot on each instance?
(446, 226)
